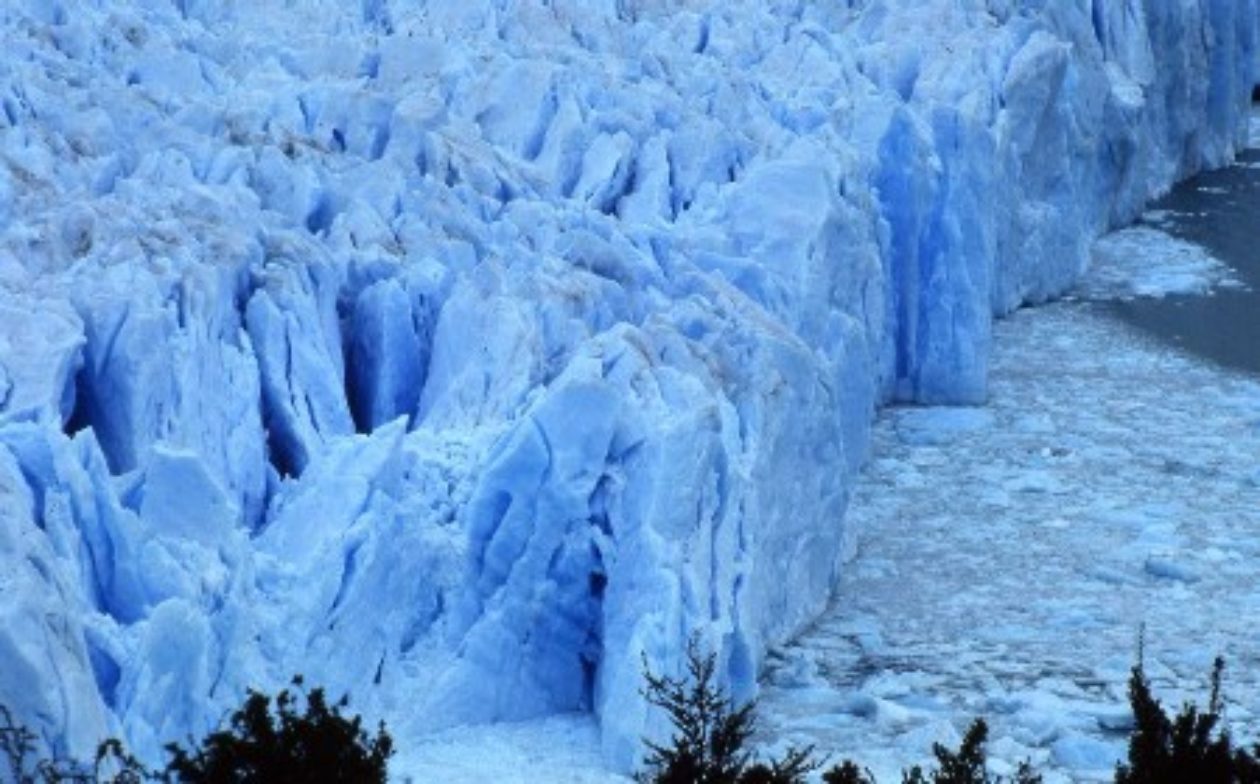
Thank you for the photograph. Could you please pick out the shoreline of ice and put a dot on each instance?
(1144, 262)
(1112, 486)
(859, 689)
(461, 355)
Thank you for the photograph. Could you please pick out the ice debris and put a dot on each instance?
(462, 354)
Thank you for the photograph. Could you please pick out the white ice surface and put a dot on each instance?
(562, 749)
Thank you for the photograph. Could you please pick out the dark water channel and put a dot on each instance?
(1219, 210)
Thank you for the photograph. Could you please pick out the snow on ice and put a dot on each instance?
(459, 355)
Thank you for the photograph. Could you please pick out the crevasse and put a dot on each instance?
(463, 356)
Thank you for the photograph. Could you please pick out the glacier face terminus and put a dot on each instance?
(463, 356)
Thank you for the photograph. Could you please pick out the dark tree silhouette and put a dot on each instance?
(316, 745)
(710, 742)
(1187, 748)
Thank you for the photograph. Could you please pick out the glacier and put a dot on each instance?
(467, 356)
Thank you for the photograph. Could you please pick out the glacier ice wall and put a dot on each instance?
(460, 355)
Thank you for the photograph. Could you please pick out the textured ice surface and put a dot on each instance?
(1143, 261)
(460, 354)
(1113, 483)
(562, 749)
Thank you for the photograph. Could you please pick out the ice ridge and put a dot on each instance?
(465, 355)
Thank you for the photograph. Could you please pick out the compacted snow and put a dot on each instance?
(462, 356)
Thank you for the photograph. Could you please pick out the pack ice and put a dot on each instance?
(463, 356)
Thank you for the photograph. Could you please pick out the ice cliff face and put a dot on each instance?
(460, 354)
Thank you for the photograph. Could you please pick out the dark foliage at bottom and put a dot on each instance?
(1190, 747)
(305, 739)
(968, 765)
(24, 765)
(316, 745)
(711, 742)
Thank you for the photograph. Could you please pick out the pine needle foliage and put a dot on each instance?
(305, 739)
(795, 766)
(710, 743)
(1189, 747)
(317, 744)
(24, 765)
(848, 772)
(968, 765)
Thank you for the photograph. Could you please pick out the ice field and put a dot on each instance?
(464, 356)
